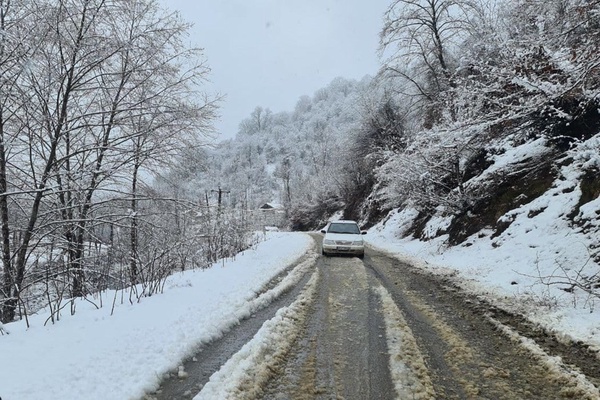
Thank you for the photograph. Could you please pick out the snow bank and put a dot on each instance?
(514, 269)
(93, 355)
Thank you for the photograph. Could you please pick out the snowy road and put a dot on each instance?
(342, 350)
(378, 329)
(281, 322)
(473, 351)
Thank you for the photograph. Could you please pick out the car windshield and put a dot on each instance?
(343, 228)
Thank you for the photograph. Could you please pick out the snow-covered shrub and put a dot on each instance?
(432, 171)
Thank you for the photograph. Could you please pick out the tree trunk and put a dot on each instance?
(8, 309)
(133, 235)
(76, 265)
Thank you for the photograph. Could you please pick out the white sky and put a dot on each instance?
(270, 52)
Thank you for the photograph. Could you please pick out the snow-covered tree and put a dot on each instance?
(104, 88)
(292, 158)
(514, 72)
(418, 45)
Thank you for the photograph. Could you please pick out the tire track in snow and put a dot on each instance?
(190, 376)
(342, 352)
(468, 356)
(407, 367)
(245, 373)
(575, 384)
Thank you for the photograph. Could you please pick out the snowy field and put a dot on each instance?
(93, 355)
(512, 275)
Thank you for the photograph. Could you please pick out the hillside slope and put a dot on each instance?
(531, 239)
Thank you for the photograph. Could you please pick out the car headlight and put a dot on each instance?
(328, 241)
(357, 243)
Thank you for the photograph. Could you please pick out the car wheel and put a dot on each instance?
(323, 253)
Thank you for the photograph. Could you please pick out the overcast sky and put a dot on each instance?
(270, 52)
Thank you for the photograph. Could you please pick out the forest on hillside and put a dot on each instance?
(460, 80)
(480, 107)
(109, 177)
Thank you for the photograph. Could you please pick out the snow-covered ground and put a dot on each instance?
(93, 355)
(511, 270)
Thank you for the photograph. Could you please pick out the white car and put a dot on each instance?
(343, 237)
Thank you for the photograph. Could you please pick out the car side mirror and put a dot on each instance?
(323, 231)
(363, 232)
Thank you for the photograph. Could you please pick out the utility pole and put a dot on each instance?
(220, 197)
(219, 233)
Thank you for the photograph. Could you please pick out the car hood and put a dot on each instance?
(343, 236)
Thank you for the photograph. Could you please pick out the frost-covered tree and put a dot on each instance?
(535, 70)
(15, 38)
(102, 86)
(259, 121)
(418, 44)
(514, 72)
(292, 158)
